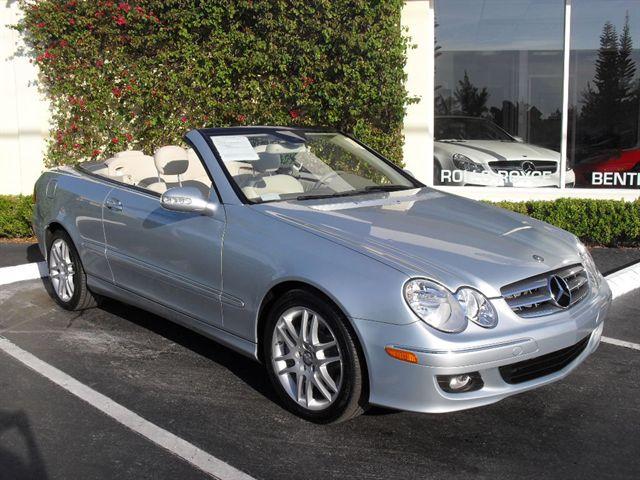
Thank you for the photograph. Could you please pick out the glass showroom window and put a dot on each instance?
(498, 93)
(604, 97)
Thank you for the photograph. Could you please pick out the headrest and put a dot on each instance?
(171, 160)
(268, 162)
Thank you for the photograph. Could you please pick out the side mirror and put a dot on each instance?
(408, 172)
(187, 199)
(518, 139)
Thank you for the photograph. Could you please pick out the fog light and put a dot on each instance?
(466, 382)
(459, 382)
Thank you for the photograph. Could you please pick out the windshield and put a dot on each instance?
(464, 128)
(301, 165)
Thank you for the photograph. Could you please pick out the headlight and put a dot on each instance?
(438, 307)
(594, 275)
(477, 308)
(435, 305)
(465, 163)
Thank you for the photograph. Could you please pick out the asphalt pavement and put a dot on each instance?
(586, 426)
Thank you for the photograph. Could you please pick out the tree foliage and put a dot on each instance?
(138, 74)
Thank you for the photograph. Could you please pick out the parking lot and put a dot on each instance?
(587, 426)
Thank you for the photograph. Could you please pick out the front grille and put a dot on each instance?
(524, 166)
(533, 298)
(544, 365)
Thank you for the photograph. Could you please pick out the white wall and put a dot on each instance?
(23, 112)
(418, 20)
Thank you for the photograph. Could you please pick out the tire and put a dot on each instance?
(309, 380)
(67, 277)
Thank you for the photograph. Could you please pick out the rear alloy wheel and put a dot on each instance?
(67, 277)
(312, 360)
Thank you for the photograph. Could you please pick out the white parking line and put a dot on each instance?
(19, 273)
(625, 280)
(167, 440)
(620, 343)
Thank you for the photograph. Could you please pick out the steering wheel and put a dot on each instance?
(324, 180)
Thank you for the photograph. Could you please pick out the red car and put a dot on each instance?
(591, 172)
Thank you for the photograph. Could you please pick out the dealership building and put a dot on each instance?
(519, 99)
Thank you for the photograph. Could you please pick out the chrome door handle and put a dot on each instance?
(113, 204)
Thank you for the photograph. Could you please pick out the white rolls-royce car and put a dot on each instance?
(475, 151)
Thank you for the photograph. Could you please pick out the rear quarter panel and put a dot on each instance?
(74, 201)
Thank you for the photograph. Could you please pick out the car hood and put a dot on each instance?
(491, 150)
(428, 233)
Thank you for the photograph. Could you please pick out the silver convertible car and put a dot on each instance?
(306, 250)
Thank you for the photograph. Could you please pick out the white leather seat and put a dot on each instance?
(274, 184)
(132, 167)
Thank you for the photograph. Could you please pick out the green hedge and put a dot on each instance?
(596, 222)
(15, 216)
(139, 74)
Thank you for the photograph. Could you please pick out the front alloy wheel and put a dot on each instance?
(312, 359)
(307, 359)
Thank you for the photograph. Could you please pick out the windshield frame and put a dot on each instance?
(207, 133)
(471, 119)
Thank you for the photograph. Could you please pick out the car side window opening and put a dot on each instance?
(303, 165)
(170, 166)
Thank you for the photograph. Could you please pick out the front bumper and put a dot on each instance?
(414, 387)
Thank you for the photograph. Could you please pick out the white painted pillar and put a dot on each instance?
(418, 19)
(24, 122)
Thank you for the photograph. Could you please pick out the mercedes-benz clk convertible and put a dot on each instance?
(351, 281)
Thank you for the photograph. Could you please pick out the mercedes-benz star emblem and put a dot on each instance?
(528, 166)
(559, 291)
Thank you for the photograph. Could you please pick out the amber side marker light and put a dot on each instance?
(401, 355)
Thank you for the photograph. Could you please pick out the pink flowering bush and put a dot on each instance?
(137, 74)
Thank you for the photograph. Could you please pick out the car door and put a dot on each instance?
(173, 258)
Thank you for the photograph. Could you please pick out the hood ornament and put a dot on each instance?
(538, 258)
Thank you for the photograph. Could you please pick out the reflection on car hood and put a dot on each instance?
(491, 150)
(424, 232)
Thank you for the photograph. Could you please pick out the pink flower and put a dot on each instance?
(120, 20)
(99, 63)
(129, 137)
(294, 113)
(241, 118)
(72, 21)
(114, 140)
(183, 119)
(117, 92)
(95, 153)
(125, 7)
(63, 43)
(41, 25)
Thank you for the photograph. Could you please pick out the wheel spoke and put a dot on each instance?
(69, 283)
(309, 392)
(324, 375)
(304, 326)
(300, 388)
(292, 369)
(328, 360)
(295, 336)
(324, 346)
(284, 334)
(319, 384)
(286, 356)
